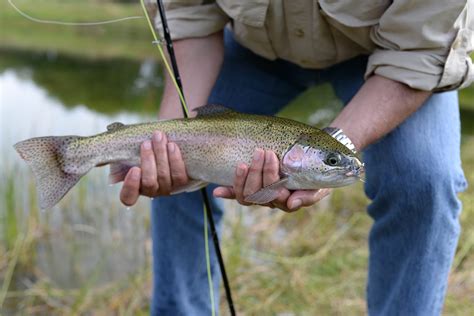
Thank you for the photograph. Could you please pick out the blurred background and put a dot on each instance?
(91, 255)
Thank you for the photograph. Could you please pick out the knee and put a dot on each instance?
(416, 187)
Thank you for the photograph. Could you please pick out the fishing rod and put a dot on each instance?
(207, 204)
(174, 74)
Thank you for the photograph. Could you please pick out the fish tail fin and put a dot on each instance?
(45, 157)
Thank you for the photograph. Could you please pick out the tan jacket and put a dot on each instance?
(422, 43)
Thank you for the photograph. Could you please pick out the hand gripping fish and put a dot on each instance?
(212, 144)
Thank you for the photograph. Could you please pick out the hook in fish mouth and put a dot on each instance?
(356, 170)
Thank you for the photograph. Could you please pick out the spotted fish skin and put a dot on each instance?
(212, 144)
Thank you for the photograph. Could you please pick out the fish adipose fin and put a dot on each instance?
(45, 157)
(212, 109)
(191, 186)
(267, 194)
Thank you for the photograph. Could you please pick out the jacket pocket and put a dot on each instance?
(354, 19)
(354, 13)
(251, 13)
(248, 24)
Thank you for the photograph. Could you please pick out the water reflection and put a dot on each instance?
(28, 110)
(89, 238)
(105, 85)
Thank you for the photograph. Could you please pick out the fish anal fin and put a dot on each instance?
(118, 171)
(191, 186)
(212, 109)
(115, 126)
(268, 193)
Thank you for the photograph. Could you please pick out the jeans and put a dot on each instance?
(413, 176)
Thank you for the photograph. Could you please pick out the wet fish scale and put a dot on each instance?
(212, 144)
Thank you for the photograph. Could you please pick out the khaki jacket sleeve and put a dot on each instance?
(192, 18)
(425, 44)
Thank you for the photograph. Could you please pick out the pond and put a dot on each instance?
(80, 241)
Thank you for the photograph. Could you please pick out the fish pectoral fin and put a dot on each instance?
(115, 126)
(212, 109)
(118, 171)
(191, 186)
(268, 193)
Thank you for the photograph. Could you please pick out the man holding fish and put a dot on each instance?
(394, 64)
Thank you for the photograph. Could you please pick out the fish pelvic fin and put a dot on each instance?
(268, 193)
(45, 157)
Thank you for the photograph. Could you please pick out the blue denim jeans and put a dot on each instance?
(413, 176)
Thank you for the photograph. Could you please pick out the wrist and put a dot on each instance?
(341, 137)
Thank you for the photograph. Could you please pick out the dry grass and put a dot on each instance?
(313, 262)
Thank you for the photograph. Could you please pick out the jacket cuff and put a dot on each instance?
(424, 70)
(193, 21)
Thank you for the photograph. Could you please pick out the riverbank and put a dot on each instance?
(126, 39)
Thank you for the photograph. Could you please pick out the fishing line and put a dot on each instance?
(208, 216)
(29, 17)
(157, 43)
(174, 75)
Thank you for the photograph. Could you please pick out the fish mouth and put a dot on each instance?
(357, 169)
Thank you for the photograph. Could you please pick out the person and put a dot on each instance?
(394, 64)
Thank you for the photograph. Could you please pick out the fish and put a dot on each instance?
(212, 144)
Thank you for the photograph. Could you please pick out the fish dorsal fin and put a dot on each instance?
(115, 126)
(212, 109)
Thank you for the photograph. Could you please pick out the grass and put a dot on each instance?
(318, 266)
(313, 262)
(128, 39)
(28, 286)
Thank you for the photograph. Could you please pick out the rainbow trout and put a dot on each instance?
(212, 144)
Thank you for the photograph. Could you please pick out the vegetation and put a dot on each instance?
(128, 39)
(106, 85)
(313, 262)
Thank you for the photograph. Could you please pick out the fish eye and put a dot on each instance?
(333, 160)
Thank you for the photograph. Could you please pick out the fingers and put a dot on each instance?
(263, 171)
(271, 168)
(131, 187)
(241, 174)
(300, 199)
(281, 201)
(178, 172)
(162, 169)
(224, 192)
(254, 180)
(163, 173)
(149, 184)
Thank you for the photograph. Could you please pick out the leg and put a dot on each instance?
(246, 83)
(413, 177)
(180, 285)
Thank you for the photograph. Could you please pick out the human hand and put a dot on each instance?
(263, 171)
(162, 170)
